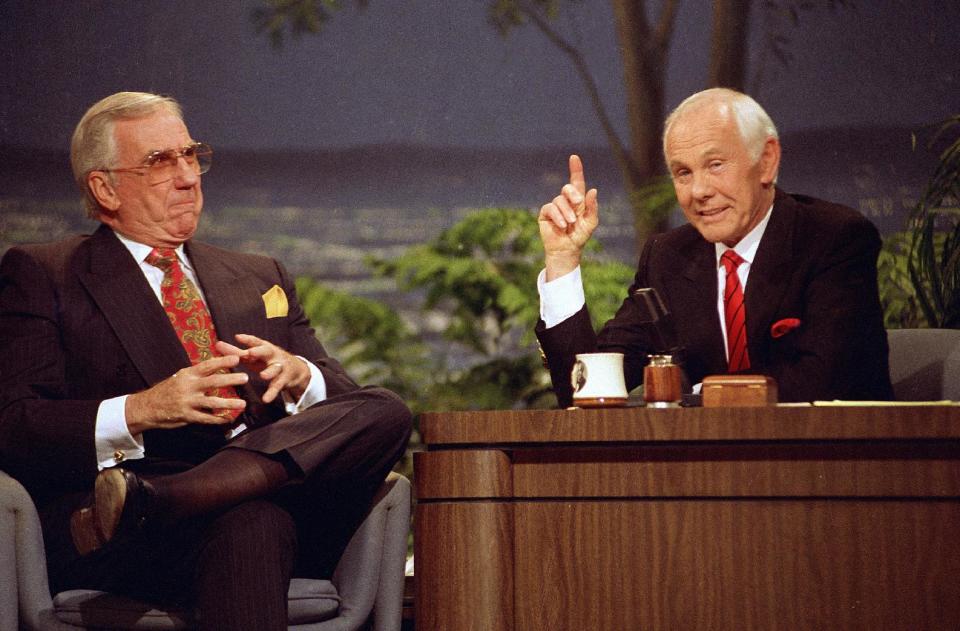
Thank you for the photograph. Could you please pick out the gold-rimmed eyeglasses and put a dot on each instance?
(161, 166)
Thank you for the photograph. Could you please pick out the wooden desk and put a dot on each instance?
(626, 519)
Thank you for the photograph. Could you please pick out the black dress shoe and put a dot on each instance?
(119, 506)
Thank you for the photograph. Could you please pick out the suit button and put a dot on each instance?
(119, 456)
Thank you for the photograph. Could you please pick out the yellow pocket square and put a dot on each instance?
(275, 302)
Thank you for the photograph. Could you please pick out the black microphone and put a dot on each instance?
(658, 321)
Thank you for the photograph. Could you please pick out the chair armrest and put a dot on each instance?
(24, 590)
(370, 574)
(388, 607)
(925, 364)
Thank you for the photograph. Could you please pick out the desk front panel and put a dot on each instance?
(757, 564)
(690, 534)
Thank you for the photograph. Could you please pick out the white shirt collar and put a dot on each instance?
(141, 251)
(747, 246)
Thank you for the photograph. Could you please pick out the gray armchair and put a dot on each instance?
(925, 364)
(365, 592)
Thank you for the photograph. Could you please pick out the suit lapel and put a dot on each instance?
(117, 285)
(233, 301)
(699, 295)
(769, 274)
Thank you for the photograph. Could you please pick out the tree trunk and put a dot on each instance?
(644, 54)
(728, 45)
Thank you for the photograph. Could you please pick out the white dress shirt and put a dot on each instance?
(114, 442)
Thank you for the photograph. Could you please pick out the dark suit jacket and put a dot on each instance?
(816, 262)
(80, 324)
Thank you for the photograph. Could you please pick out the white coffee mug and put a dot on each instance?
(597, 380)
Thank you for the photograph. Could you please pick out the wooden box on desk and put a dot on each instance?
(743, 391)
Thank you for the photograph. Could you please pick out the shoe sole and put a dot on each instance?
(83, 530)
(110, 491)
(92, 527)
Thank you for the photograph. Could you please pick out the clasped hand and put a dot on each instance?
(183, 398)
(275, 365)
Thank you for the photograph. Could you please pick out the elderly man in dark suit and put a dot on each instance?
(759, 281)
(185, 436)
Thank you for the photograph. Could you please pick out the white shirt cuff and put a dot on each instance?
(113, 440)
(561, 297)
(315, 392)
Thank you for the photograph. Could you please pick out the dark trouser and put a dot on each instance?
(246, 554)
(228, 567)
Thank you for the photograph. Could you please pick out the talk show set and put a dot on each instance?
(723, 431)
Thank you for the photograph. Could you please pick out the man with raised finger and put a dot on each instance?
(759, 281)
(166, 402)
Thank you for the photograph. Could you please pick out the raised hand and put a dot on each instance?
(567, 222)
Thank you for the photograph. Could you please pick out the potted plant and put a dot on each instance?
(934, 228)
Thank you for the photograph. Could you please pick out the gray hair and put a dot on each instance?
(753, 123)
(93, 145)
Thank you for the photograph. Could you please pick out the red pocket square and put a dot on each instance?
(782, 327)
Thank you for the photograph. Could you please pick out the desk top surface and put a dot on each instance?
(691, 424)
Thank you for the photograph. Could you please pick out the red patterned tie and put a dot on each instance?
(189, 317)
(735, 313)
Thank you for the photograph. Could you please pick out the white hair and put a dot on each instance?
(93, 146)
(753, 123)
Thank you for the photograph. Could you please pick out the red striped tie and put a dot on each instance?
(189, 317)
(735, 313)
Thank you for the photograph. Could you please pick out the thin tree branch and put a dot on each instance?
(583, 70)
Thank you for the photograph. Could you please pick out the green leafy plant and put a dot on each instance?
(472, 346)
(901, 308)
(934, 255)
(369, 338)
(481, 276)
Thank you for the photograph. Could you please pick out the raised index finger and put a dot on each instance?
(576, 174)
